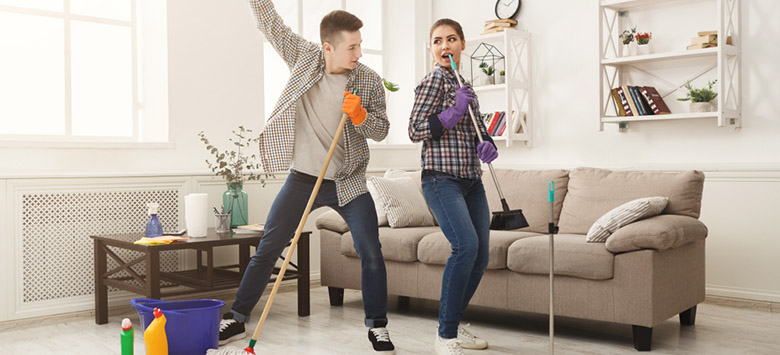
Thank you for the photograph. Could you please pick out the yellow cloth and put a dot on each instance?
(165, 239)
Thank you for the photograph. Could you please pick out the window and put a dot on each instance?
(71, 71)
(371, 12)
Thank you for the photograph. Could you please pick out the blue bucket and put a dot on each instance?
(192, 326)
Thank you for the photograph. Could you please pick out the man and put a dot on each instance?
(298, 134)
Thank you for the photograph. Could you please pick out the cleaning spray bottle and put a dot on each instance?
(126, 338)
(153, 227)
(154, 337)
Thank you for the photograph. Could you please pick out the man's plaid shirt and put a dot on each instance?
(448, 151)
(307, 65)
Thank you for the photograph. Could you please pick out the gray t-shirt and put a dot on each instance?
(318, 117)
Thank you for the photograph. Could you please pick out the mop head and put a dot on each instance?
(231, 351)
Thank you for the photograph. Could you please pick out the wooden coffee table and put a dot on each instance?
(200, 279)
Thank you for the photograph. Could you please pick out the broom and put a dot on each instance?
(506, 219)
(251, 348)
(552, 230)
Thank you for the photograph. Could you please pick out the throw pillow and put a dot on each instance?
(624, 214)
(403, 203)
(381, 214)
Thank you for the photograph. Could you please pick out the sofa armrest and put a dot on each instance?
(332, 220)
(660, 232)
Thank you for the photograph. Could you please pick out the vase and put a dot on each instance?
(700, 107)
(643, 49)
(501, 79)
(629, 49)
(235, 201)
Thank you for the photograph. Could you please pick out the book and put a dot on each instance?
(624, 102)
(655, 99)
(619, 110)
(645, 105)
(704, 39)
(501, 125)
(508, 20)
(630, 100)
(493, 123)
(252, 227)
(707, 33)
(637, 101)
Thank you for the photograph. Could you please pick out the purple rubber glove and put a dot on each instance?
(451, 116)
(486, 152)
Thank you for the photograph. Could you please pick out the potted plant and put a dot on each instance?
(627, 38)
(643, 42)
(489, 71)
(501, 77)
(700, 98)
(236, 166)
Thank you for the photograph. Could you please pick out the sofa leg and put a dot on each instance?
(336, 296)
(688, 317)
(643, 336)
(404, 301)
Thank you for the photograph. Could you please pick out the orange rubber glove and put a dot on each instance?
(352, 108)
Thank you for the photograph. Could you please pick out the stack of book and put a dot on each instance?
(494, 26)
(638, 101)
(706, 39)
(496, 123)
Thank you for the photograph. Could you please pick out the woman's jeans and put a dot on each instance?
(461, 208)
(282, 221)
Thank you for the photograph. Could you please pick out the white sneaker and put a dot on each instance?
(470, 341)
(447, 346)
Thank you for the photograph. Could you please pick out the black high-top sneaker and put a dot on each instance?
(230, 329)
(380, 341)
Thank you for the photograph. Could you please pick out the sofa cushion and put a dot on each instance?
(403, 203)
(527, 190)
(381, 214)
(435, 248)
(623, 215)
(332, 220)
(659, 232)
(593, 192)
(573, 257)
(397, 244)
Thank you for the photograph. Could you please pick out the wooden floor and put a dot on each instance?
(339, 330)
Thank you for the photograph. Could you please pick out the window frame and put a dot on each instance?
(67, 136)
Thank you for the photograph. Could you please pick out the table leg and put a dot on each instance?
(153, 273)
(243, 257)
(101, 290)
(303, 276)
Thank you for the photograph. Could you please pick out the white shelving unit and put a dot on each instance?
(514, 95)
(725, 59)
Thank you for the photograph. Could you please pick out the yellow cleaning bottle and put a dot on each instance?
(154, 336)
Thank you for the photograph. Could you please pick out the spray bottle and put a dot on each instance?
(153, 227)
(154, 337)
(126, 337)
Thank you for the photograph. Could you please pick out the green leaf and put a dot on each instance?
(390, 86)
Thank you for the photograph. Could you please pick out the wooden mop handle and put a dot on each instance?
(298, 231)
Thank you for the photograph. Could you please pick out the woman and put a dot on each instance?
(451, 181)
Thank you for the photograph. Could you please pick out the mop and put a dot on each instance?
(551, 229)
(506, 219)
(251, 348)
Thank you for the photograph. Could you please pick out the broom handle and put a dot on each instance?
(551, 199)
(313, 196)
(479, 135)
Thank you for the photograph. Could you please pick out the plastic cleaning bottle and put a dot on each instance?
(154, 337)
(153, 227)
(126, 338)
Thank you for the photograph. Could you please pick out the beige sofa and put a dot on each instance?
(646, 272)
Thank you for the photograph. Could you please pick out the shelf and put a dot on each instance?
(659, 57)
(674, 116)
(630, 4)
(495, 87)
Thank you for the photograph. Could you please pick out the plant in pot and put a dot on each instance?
(489, 71)
(643, 42)
(236, 166)
(627, 38)
(501, 77)
(700, 98)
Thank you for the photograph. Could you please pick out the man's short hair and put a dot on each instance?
(335, 22)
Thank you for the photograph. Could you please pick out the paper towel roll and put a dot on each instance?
(196, 214)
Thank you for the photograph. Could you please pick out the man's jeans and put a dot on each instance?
(461, 208)
(282, 221)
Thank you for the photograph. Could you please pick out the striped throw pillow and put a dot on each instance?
(624, 214)
(403, 202)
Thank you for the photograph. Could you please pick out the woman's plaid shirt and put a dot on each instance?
(449, 151)
(307, 65)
